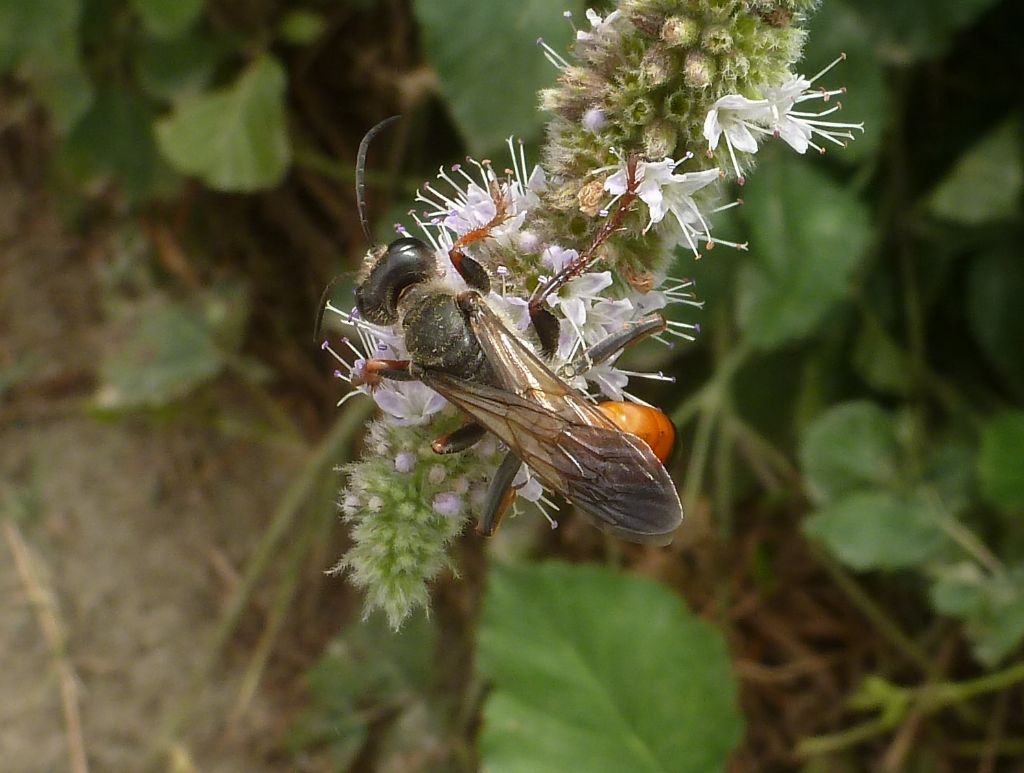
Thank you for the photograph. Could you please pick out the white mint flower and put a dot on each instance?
(448, 504)
(578, 297)
(594, 120)
(736, 118)
(465, 203)
(408, 402)
(740, 120)
(664, 191)
(529, 489)
(610, 380)
(598, 24)
(797, 128)
(557, 258)
(404, 402)
(516, 310)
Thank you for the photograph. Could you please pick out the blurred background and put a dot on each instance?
(176, 189)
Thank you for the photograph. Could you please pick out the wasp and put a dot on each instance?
(593, 455)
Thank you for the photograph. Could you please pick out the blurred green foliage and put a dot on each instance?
(872, 336)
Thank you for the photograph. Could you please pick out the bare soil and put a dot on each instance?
(138, 535)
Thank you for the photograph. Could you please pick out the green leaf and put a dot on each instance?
(850, 448)
(911, 29)
(115, 138)
(807, 237)
(991, 607)
(877, 530)
(177, 68)
(168, 18)
(994, 289)
(986, 183)
(234, 139)
(27, 29)
(172, 349)
(1001, 461)
(599, 671)
(465, 39)
(41, 39)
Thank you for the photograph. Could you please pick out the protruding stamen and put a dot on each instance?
(553, 56)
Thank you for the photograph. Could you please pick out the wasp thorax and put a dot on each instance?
(404, 263)
(438, 335)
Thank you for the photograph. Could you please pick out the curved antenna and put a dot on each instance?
(322, 308)
(364, 146)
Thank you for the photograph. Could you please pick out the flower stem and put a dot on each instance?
(924, 700)
(875, 614)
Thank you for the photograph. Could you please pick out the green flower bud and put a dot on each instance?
(660, 138)
(698, 70)
(680, 31)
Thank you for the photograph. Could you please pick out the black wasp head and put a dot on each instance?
(405, 262)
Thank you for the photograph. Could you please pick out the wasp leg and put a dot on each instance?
(476, 276)
(589, 256)
(613, 344)
(466, 436)
(545, 324)
(374, 371)
(499, 495)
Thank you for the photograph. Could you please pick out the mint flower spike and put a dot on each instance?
(632, 166)
(741, 120)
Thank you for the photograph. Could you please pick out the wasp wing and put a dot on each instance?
(612, 476)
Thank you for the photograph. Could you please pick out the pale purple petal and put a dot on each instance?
(447, 504)
(589, 284)
(574, 309)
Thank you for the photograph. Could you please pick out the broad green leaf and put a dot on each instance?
(168, 18)
(1001, 461)
(912, 29)
(179, 67)
(172, 349)
(878, 530)
(986, 183)
(599, 671)
(835, 28)
(115, 138)
(807, 237)
(850, 448)
(40, 38)
(994, 289)
(31, 28)
(234, 139)
(489, 65)
(990, 606)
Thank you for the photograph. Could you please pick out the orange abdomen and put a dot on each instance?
(649, 424)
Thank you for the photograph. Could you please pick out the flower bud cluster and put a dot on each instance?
(644, 79)
(404, 505)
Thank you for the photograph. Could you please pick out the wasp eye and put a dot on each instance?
(407, 261)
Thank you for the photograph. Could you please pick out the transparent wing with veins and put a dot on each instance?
(611, 476)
